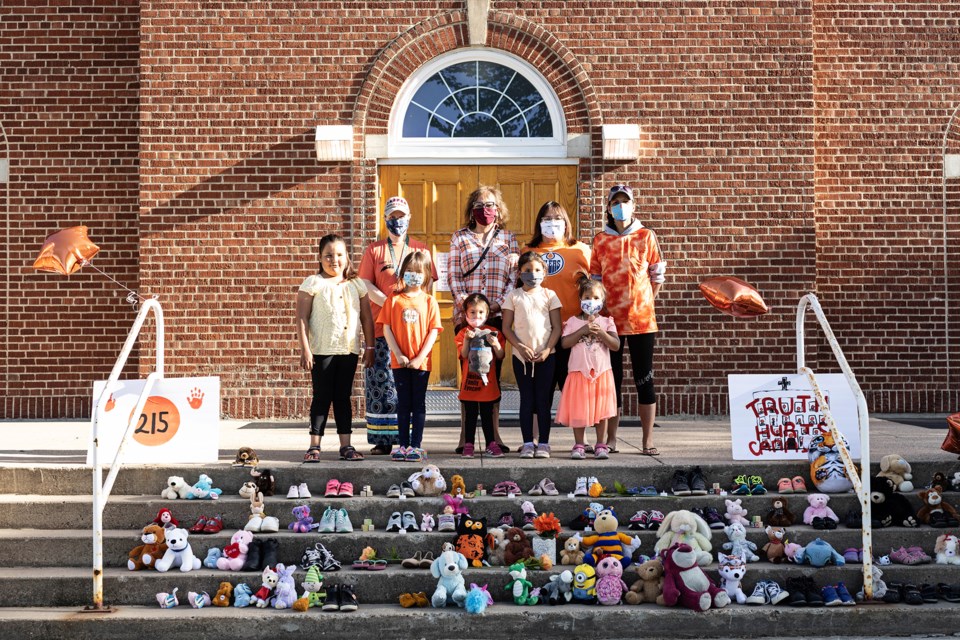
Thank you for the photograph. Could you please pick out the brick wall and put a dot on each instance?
(68, 105)
(755, 117)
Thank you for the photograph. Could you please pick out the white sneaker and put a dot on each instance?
(759, 595)
(293, 494)
(343, 524)
(270, 525)
(254, 524)
(581, 488)
(328, 521)
(302, 491)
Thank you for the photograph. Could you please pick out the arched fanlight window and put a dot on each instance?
(482, 103)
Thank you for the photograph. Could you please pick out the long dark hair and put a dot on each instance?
(529, 256)
(552, 207)
(348, 272)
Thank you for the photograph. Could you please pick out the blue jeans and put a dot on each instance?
(535, 384)
(411, 404)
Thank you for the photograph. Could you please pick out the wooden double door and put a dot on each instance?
(437, 197)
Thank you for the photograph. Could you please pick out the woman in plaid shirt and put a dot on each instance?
(483, 259)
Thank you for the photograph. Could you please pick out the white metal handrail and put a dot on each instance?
(101, 488)
(860, 484)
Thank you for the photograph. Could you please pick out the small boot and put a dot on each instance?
(254, 551)
(796, 588)
(271, 547)
(812, 592)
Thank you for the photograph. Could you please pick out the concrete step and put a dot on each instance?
(533, 623)
(380, 473)
(72, 547)
(72, 586)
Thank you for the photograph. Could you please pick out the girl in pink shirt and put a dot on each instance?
(589, 395)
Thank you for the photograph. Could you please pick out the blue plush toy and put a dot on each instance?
(204, 490)
(819, 554)
(241, 595)
(478, 598)
(210, 562)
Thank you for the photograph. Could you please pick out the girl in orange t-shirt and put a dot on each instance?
(479, 393)
(411, 323)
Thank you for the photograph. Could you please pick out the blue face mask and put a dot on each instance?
(531, 279)
(398, 226)
(412, 278)
(591, 307)
(621, 211)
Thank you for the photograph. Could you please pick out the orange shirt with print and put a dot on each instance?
(564, 264)
(623, 262)
(378, 267)
(472, 388)
(410, 318)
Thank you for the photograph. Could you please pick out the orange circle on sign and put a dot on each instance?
(158, 423)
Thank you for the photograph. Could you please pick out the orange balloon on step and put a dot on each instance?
(733, 296)
(66, 251)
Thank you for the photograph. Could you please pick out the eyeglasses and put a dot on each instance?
(484, 205)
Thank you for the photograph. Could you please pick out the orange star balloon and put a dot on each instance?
(66, 251)
(734, 297)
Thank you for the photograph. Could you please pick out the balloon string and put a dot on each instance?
(133, 297)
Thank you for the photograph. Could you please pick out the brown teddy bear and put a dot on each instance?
(222, 599)
(571, 554)
(518, 546)
(776, 547)
(936, 511)
(153, 547)
(779, 514)
(649, 588)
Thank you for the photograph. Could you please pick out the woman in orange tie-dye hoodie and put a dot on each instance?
(626, 257)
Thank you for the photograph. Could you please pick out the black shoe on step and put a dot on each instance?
(347, 598)
(333, 599)
(679, 485)
(796, 590)
(696, 482)
(812, 593)
(254, 551)
(271, 546)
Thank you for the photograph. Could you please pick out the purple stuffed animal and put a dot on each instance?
(303, 522)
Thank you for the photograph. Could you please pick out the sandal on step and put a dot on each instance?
(312, 455)
(349, 453)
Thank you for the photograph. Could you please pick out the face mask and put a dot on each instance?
(398, 226)
(591, 307)
(531, 279)
(622, 210)
(412, 278)
(485, 216)
(476, 323)
(552, 228)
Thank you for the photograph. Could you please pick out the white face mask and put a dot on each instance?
(476, 323)
(552, 228)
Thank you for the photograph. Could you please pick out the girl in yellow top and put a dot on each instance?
(332, 307)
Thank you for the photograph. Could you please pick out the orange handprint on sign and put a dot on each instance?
(111, 403)
(195, 399)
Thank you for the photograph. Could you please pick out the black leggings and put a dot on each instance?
(535, 384)
(411, 405)
(332, 384)
(472, 409)
(641, 355)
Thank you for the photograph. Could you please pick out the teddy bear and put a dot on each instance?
(519, 587)
(774, 549)
(819, 515)
(738, 544)
(285, 593)
(176, 487)
(893, 466)
(222, 599)
(955, 481)
(686, 527)
(889, 508)
(736, 512)
(936, 511)
(235, 554)
(610, 584)
(266, 482)
(947, 549)
(458, 487)
(607, 541)
(471, 537)
(732, 570)
(571, 554)
(518, 546)
(428, 481)
(559, 590)
(818, 553)
(241, 596)
(246, 457)
(303, 522)
(685, 583)
(153, 548)
(496, 545)
(779, 514)
(448, 568)
(269, 579)
(649, 586)
(204, 490)
(179, 553)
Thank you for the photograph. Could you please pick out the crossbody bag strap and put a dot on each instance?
(484, 254)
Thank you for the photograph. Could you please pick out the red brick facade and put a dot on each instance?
(795, 144)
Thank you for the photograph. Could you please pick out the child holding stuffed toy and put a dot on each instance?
(332, 307)
(411, 324)
(479, 393)
(589, 396)
(531, 322)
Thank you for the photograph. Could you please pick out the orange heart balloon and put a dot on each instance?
(66, 251)
(733, 296)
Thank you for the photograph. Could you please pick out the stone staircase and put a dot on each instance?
(45, 557)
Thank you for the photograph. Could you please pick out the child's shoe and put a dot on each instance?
(527, 450)
(830, 597)
(756, 485)
(467, 451)
(506, 521)
(601, 452)
(416, 454)
(328, 521)
(493, 450)
(399, 454)
(343, 524)
(656, 519)
(543, 451)
(775, 594)
(529, 515)
(759, 595)
(639, 520)
(578, 453)
(446, 522)
(741, 486)
(581, 488)
(845, 598)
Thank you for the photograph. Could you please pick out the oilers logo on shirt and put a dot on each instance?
(554, 263)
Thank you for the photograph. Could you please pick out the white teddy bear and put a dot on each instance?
(179, 553)
(176, 487)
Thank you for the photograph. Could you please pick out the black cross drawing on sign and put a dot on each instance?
(784, 383)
